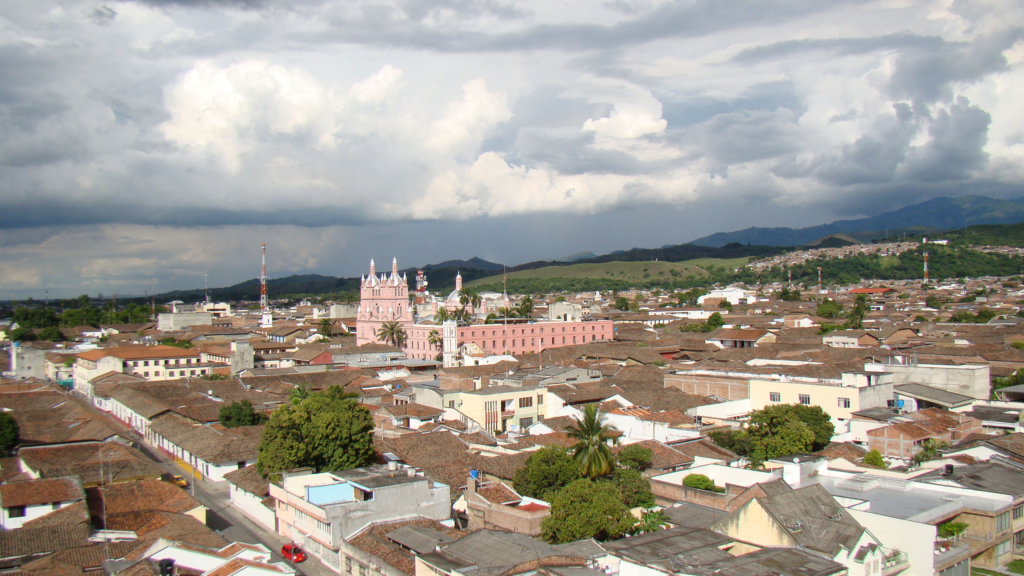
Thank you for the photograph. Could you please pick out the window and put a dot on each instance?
(324, 527)
(1003, 522)
(16, 512)
(1018, 511)
(1018, 538)
(146, 374)
(774, 397)
(525, 423)
(1003, 548)
(540, 399)
(805, 399)
(55, 506)
(451, 403)
(526, 402)
(348, 564)
(844, 402)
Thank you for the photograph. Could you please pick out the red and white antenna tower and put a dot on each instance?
(264, 303)
(926, 267)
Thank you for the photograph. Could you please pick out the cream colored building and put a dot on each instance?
(856, 391)
(502, 408)
(150, 362)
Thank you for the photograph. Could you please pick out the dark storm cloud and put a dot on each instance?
(926, 75)
(576, 155)
(956, 147)
(876, 154)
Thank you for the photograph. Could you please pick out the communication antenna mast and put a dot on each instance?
(926, 267)
(206, 287)
(268, 318)
(819, 278)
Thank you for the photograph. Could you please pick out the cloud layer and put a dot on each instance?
(325, 126)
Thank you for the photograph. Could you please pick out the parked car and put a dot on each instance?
(176, 480)
(293, 553)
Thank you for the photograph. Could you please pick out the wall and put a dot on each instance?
(751, 523)
(252, 506)
(176, 322)
(31, 513)
(914, 538)
(727, 387)
(27, 361)
(970, 380)
(826, 396)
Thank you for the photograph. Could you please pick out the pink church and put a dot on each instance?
(386, 298)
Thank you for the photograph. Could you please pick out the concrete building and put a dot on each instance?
(495, 506)
(321, 510)
(972, 380)
(148, 362)
(27, 361)
(490, 553)
(177, 322)
(857, 391)
(501, 408)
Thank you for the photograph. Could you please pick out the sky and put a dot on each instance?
(144, 144)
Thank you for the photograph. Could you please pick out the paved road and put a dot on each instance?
(221, 516)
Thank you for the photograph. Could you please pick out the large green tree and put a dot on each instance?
(587, 509)
(327, 430)
(591, 450)
(634, 487)
(635, 457)
(240, 413)
(787, 429)
(8, 433)
(547, 471)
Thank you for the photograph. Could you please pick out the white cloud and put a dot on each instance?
(468, 120)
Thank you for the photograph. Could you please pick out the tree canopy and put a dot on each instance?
(547, 471)
(326, 430)
(634, 488)
(787, 429)
(240, 413)
(587, 509)
(8, 433)
(635, 457)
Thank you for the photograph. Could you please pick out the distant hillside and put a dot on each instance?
(299, 284)
(936, 214)
(473, 263)
(986, 235)
(576, 256)
(619, 273)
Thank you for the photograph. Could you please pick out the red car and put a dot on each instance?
(293, 553)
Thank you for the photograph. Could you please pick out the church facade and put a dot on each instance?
(386, 298)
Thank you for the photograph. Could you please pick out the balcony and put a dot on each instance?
(895, 563)
(944, 554)
(508, 413)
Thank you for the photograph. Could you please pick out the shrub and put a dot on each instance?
(951, 529)
(701, 482)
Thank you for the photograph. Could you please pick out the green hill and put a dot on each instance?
(609, 275)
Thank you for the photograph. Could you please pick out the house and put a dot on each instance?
(390, 548)
(500, 408)
(205, 450)
(701, 552)
(491, 553)
(496, 506)
(24, 501)
(871, 291)
(905, 436)
(852, 339)
(809, 518)
(322, 510)
(150, 362)
(732, 295)
(405, 415)
(739, 338)
(249, 492)
(93, 463)
(234, 559)
(856, 391)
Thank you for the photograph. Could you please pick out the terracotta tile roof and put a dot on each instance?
(662, 457)
(87, 558)
(498, 493)
(846, 450)
(559, 423)
(77, 513)
(209, 443)
(374, 541)
(1012, 443)
(413, 410)
(249, 479)
(36, 492)
(142, 495)
(28, 541)
(83, 460)
(705, 449)
(51, 417)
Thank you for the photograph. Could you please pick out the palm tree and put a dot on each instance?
(391, 331)
(469, 296)
(434, 339)
(326, 327)
(526, 307)
(442, 315)
(507, 313)
(591, 449)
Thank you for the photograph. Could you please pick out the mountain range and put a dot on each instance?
(939, 214)
(933, 215)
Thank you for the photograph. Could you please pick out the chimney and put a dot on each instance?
(166, 567)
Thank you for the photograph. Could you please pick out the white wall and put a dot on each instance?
(253, 508)
(914, 538)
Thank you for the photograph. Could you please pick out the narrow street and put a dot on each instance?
(220, 516)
